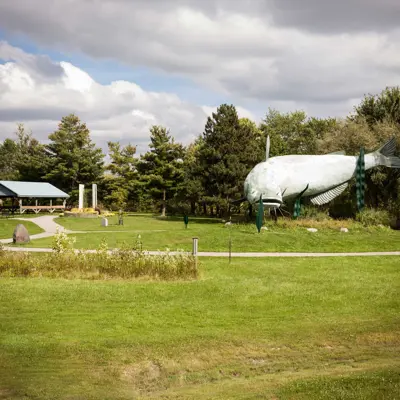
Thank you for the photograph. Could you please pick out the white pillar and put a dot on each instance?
(81, 190)
(94, 195)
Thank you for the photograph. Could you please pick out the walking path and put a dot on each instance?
(46, 222)
(50, 229)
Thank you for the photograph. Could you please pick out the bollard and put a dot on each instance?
(195, 247)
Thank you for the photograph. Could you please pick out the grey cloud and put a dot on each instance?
(306, 52)
(337, 16)
(40, 67)
(32, 114)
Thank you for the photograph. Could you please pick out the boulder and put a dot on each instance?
(312, 230)
(344, 230)
(21, 234)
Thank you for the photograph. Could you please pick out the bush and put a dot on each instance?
(65, 262)
(372, 217)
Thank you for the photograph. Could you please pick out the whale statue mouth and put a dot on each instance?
(271, 202)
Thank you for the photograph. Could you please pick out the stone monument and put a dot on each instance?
(94, 195)
(21, 235)
(81, 192)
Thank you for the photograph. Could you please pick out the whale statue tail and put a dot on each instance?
(385, 155)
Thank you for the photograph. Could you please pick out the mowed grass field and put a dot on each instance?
(159, 234)
(7, 227)
(254, 329)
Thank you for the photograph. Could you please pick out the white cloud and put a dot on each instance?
(269, 51)
(119, 111)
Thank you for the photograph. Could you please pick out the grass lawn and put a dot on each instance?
(253, 329)
(158, 234)
(7, 227)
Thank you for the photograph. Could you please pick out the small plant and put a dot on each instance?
(62, 243)
(372, 217)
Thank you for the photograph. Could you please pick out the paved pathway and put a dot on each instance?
(48, 224)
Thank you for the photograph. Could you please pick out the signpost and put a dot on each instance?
(260, 215)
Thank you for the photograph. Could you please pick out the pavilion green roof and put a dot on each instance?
(30, 190)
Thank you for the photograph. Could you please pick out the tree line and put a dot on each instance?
(206, 175)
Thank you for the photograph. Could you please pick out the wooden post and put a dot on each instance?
(20, 206)
(51, 202)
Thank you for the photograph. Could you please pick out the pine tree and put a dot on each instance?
(122, 185)
(160, 168)
(74, 159)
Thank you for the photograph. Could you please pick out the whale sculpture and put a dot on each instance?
(318, 177)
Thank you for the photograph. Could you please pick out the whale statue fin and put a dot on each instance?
(385, 155)
(329, 195)
(338, 153)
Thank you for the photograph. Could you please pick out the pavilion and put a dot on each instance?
(17, 191)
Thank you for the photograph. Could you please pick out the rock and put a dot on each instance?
(312, 230)
(264, 228)
(104, 222)
(344, 230)
(228, 223)
(21, 234)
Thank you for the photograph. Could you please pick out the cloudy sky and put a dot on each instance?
(123, 65)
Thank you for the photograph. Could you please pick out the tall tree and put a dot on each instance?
(122, 186)
(294, 132)
(74, 158)
(161, 168)
(32, 161)
(225, 157)
(380, 107)
(8, 160)
(23, 158)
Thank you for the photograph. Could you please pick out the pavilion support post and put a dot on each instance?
(51, 202)
(20, 206)
(64, 203)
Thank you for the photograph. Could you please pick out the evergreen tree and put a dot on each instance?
(226, 156)
(121, 185)
(160, 169)
(74, 159)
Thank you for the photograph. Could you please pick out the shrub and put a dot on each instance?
(372, 217)
(65, 262)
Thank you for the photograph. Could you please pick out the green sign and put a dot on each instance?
(186, 220)
(260, 215)
(360, 180)
(297, 204)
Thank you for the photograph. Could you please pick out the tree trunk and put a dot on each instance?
(193, 207)
(163, 204)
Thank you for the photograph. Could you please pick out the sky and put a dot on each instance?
(124, 65)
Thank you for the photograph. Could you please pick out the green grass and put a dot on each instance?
(275, 329)
(7, 227)
(158, 234)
